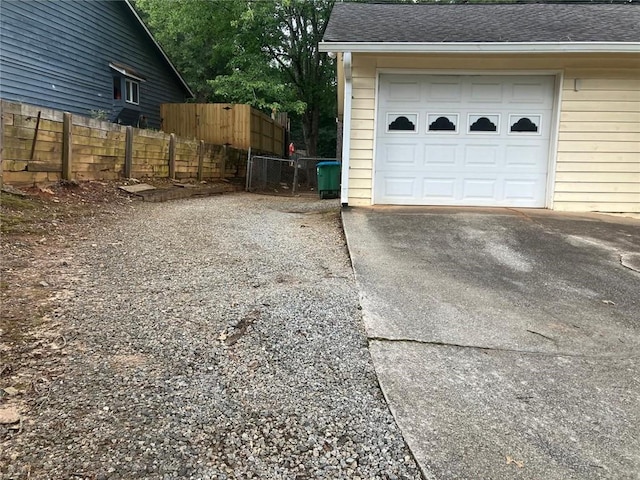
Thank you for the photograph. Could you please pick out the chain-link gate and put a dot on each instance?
(283, 176)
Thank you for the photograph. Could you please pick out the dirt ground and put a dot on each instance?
(39, 226)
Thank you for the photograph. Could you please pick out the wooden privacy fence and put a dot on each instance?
(42, 145)
(235, 125)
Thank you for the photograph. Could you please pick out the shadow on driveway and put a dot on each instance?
(506, 341)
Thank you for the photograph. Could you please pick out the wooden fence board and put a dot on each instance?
(35, 166)
(50, 126)
(235, 125)
(14, 165)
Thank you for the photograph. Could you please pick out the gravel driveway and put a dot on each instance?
(215, 338)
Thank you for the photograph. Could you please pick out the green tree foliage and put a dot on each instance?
(264, 53)
(196, 35)
(277, 64)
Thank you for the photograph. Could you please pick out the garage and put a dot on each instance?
(488, 104)
(474, 140)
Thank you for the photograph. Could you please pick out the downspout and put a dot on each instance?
(346, 129)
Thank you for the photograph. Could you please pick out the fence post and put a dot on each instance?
(273, 137)
(128, 152)
(223, 165)
(201, 161)
(295, 175)
(247, 174)
(172, 156)
(67, 138)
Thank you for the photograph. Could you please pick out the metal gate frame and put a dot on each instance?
(295, 162)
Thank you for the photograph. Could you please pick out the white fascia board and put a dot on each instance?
(162, 52)
(472, 47)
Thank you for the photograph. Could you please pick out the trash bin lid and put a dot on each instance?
(327, 164)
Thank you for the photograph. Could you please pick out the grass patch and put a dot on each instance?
(15, 202)
(11, 223)
(21, 215)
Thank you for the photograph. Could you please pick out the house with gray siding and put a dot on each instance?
(89, 58)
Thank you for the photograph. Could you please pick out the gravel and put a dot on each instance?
(213, 338)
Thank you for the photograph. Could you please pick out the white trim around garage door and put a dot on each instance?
(555, 124)
(376, 101)
(555, 138)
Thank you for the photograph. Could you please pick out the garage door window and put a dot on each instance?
(484, 123)
(402, 122)
(442, 122)
(529, 125)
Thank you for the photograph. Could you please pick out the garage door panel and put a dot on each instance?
(486, 92)
(520, 190)
(448, 190)
(399, 187)
(482, 189)
(444, 90)
(481, 156)
(530, 93)
(443, 189)
(525, 157)
(441, 155)
(478, 140)
(404, 91)
(399, 155)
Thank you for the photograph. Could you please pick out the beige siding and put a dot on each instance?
(598, 135)
(621, 162)
(365, 104)
(362, 135)
(598, 150)
(363, 93)
(362, 130)
(358, 144)
(598, 163)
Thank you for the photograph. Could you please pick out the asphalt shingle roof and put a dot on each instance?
(372, 23)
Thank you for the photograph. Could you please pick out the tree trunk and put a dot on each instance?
(310, 129)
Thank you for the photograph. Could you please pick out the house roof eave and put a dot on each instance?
(481, 47)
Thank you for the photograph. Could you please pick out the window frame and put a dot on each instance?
(129, 85)
(516, 117)
(449, 116)
(416, 123)
(471, 120)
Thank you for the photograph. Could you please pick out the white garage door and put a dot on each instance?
(463, 140)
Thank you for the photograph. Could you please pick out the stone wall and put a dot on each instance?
(33, 150)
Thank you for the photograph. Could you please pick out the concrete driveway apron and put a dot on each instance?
(507, 342)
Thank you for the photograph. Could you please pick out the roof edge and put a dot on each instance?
(146, 29)
(480, 47)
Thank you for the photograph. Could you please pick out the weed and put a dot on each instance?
(99, 114)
